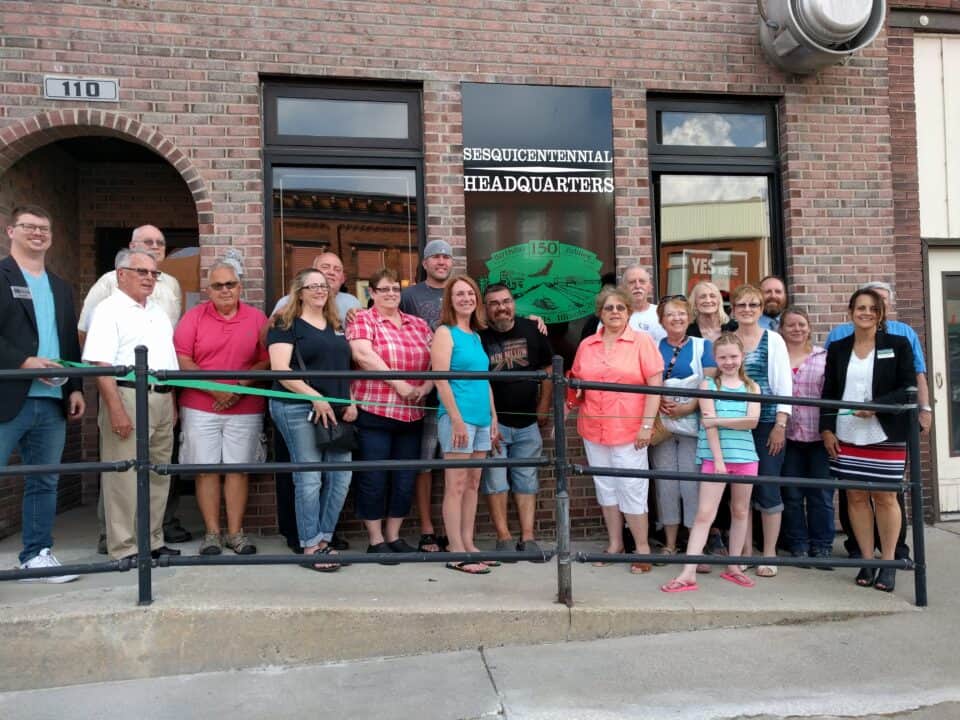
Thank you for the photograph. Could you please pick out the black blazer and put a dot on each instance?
(19, 339)
(891, 378)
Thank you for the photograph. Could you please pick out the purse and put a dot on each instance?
(343, 436)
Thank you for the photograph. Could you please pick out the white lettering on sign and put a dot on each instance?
(56, 87)
(705, 266)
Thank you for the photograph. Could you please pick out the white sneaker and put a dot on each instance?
(45, 560)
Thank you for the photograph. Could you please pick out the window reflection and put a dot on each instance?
(342, 118)
(700, 129)
(713, 227)
(367, 216)
(951, 306)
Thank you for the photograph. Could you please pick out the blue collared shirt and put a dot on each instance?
(894, 327)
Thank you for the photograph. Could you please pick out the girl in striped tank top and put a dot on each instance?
(725, 447)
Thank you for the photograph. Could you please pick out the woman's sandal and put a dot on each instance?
(429, 540)
(639, 568)
(675, 586)
(866, 577)
(322, 567)
(666, 551)
(886, 580)
(766, 571)
(462, 567)
(602, 563)
(738, 578)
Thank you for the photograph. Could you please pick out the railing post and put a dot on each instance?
(916, 506)
(564, 568)
(142, 430)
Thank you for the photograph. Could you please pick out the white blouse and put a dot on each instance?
(859, 388)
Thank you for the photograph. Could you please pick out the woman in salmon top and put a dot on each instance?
(616, 426)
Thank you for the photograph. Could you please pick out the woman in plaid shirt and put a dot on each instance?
(806, 530)
(391, 411)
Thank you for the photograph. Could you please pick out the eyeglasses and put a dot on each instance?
(668, 298)
(30, 228)
(153, 242)
(316, 287)
(395, 289)
(229, 285)
(747, 305)
(144, 272)
(611, 308)
(500, 303)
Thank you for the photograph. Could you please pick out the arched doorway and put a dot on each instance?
(99, 179)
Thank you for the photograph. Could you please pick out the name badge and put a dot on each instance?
(20, 292)
(885, 354)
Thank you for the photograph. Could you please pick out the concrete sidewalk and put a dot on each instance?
(901, 665)
(207, 619)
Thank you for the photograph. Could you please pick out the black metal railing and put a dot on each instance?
(144, 563)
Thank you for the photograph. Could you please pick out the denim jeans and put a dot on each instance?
(810, 529)
(38, 431)
(518, 443)
(385, 492)
(767, 498)
(318, 497)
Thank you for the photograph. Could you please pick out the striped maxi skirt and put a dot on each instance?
(882, 462)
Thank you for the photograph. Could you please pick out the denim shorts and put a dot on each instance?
(478, 437)
(515, 443)
(428, 440)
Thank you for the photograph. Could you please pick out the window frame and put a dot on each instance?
(273, 91)
(717, 160)
(316, 151)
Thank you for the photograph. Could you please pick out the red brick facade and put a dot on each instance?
(193, 96)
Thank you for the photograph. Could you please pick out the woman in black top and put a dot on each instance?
(869, 366)
(307, 335)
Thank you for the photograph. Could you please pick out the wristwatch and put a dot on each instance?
(647, 426)
(926, 408)
(781, 425)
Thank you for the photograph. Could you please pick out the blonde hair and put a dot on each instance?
(695, 295)
(729, 338)
(744, 290)
(672, 302)
(294, 307)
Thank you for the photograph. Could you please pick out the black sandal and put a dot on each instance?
(866, 577)
(429, 539)
(886, 580)
(313, 565)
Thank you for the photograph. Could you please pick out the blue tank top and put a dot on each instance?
(472, 396)
(736, 445)
(756, 365)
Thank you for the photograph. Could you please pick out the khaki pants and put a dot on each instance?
(120, 488)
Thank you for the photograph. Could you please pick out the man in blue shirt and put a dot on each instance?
(894, 327)
(37, 326)
(775, 300)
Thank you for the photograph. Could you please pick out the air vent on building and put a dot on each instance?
(802, 36)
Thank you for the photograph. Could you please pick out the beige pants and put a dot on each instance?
(120, 488)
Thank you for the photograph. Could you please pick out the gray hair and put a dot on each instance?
(123, 257)
(138, 231)
(227, 263)
(881, 285)
(636, 266)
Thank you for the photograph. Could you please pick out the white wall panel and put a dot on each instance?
(931, 135)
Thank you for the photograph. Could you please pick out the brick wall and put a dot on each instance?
(194, 97)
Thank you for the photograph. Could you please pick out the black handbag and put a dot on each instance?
(343, 436)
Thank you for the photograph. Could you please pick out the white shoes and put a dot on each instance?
(45, 560)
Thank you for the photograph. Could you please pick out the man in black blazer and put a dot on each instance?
(37, 326)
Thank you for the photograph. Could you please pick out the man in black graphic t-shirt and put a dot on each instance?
(523, 408)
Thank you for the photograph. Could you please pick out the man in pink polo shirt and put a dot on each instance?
(221, 426)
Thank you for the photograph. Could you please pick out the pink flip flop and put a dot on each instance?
(738, 578)
(675, 586)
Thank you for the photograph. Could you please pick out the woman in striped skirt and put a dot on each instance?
(869, 366)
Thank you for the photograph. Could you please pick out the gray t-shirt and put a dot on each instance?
(424, 302)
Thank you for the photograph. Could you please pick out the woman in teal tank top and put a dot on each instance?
(467, 421)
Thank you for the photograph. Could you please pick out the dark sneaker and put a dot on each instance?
(401, 546)
(824, 553)
(529, 546)
(381, 549)
(176, 533)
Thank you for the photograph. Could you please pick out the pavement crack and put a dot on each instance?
(493, 683)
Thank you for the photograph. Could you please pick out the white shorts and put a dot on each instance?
(207, 437)
(628, 494)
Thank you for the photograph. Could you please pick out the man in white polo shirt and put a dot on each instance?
(638, 283)
(128, 318)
